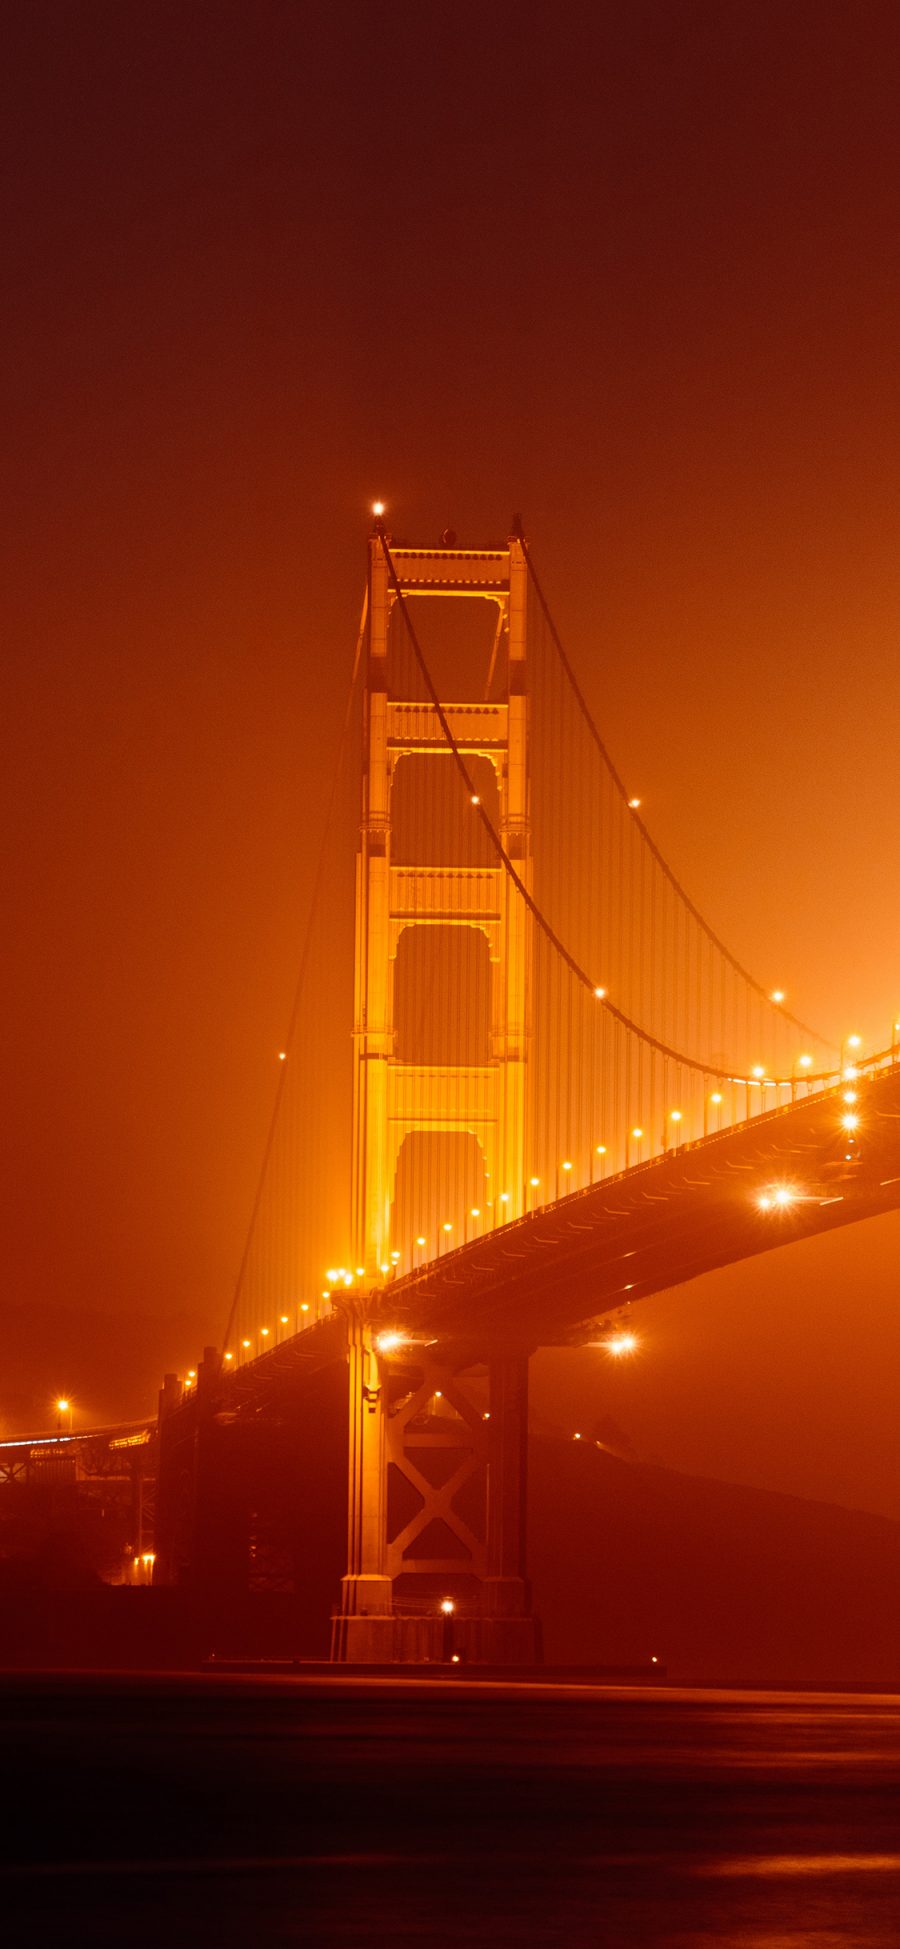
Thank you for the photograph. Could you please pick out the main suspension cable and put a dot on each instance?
(698, 1066)
(301, 976)
(647, 837)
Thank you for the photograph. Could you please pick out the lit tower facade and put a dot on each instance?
(395, 1097)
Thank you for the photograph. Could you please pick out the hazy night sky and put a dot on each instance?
(632, 270)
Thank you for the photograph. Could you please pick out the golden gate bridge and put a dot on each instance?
(565, 1093)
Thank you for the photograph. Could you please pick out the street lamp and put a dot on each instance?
(63, 1412)
(853, 1042)
(799, 1062)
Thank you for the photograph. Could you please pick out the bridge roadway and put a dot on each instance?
(543, 1279)
(549, 1278)
(546, 1279)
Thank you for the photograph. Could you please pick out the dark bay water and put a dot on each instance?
(243, 1811)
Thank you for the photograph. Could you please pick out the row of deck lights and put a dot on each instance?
(777, 1199)
(781, 1196)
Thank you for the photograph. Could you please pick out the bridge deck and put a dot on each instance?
(540, 1279)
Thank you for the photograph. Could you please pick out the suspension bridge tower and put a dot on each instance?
(437, 1434)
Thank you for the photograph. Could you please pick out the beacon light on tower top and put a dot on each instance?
(378, 509)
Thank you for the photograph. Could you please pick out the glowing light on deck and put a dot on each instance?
(621, 1343)
(778, 1199)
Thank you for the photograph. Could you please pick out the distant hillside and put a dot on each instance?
(720, 1582)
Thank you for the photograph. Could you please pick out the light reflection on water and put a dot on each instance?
(804, 1864)
(254, 1812)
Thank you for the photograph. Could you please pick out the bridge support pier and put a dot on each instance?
(436, 1519)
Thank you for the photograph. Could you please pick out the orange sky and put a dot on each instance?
(635, 275)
